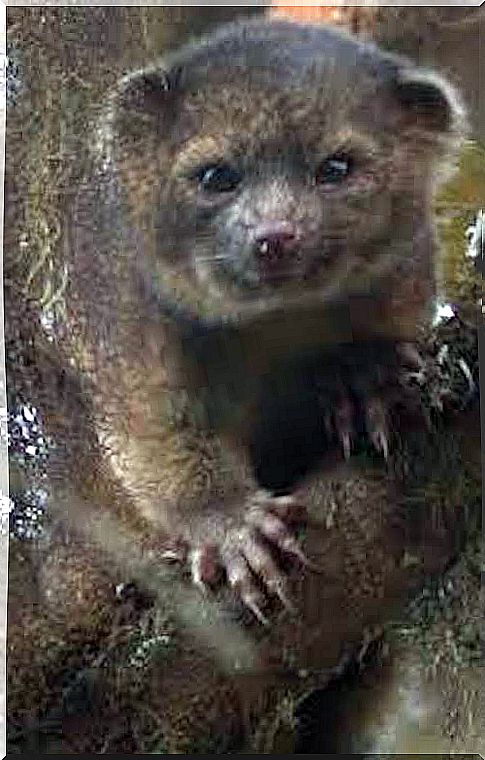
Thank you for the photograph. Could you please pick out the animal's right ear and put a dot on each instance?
(149, 91)
(149, 98)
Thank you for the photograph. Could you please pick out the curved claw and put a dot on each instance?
(241, 581)
(276, 532)
(380, 443)
(264, 567)
(346, 441)
(278, 588)
(251, 605)
(377, 426)
(344, 423)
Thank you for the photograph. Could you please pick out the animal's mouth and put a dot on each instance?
(273, 273)
(280, 275)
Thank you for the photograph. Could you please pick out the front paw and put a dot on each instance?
(358, 392)
(247, 551)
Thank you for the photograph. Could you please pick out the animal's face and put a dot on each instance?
(282, 166)
(279, 191)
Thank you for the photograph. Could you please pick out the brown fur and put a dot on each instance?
(176, 349)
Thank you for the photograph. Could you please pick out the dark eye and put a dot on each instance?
(334, 169)
(220, 178)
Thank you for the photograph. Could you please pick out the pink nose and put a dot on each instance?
(275, 240)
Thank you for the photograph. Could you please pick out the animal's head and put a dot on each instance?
(275, 159)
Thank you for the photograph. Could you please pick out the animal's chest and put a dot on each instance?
(262, 383)
(288, 432)
(266, 397)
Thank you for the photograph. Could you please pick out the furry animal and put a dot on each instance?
(253, 243)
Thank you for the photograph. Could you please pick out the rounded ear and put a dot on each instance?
(148, 90)
(145, 104)
(428, 102)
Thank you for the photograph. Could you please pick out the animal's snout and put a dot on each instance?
(276, 244)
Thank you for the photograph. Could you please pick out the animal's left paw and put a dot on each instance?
(359, 390)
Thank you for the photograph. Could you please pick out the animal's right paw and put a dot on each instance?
(246, 550)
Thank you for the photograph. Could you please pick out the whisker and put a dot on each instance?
(218, 257)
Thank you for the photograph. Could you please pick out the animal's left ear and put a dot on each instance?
(428, 102)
